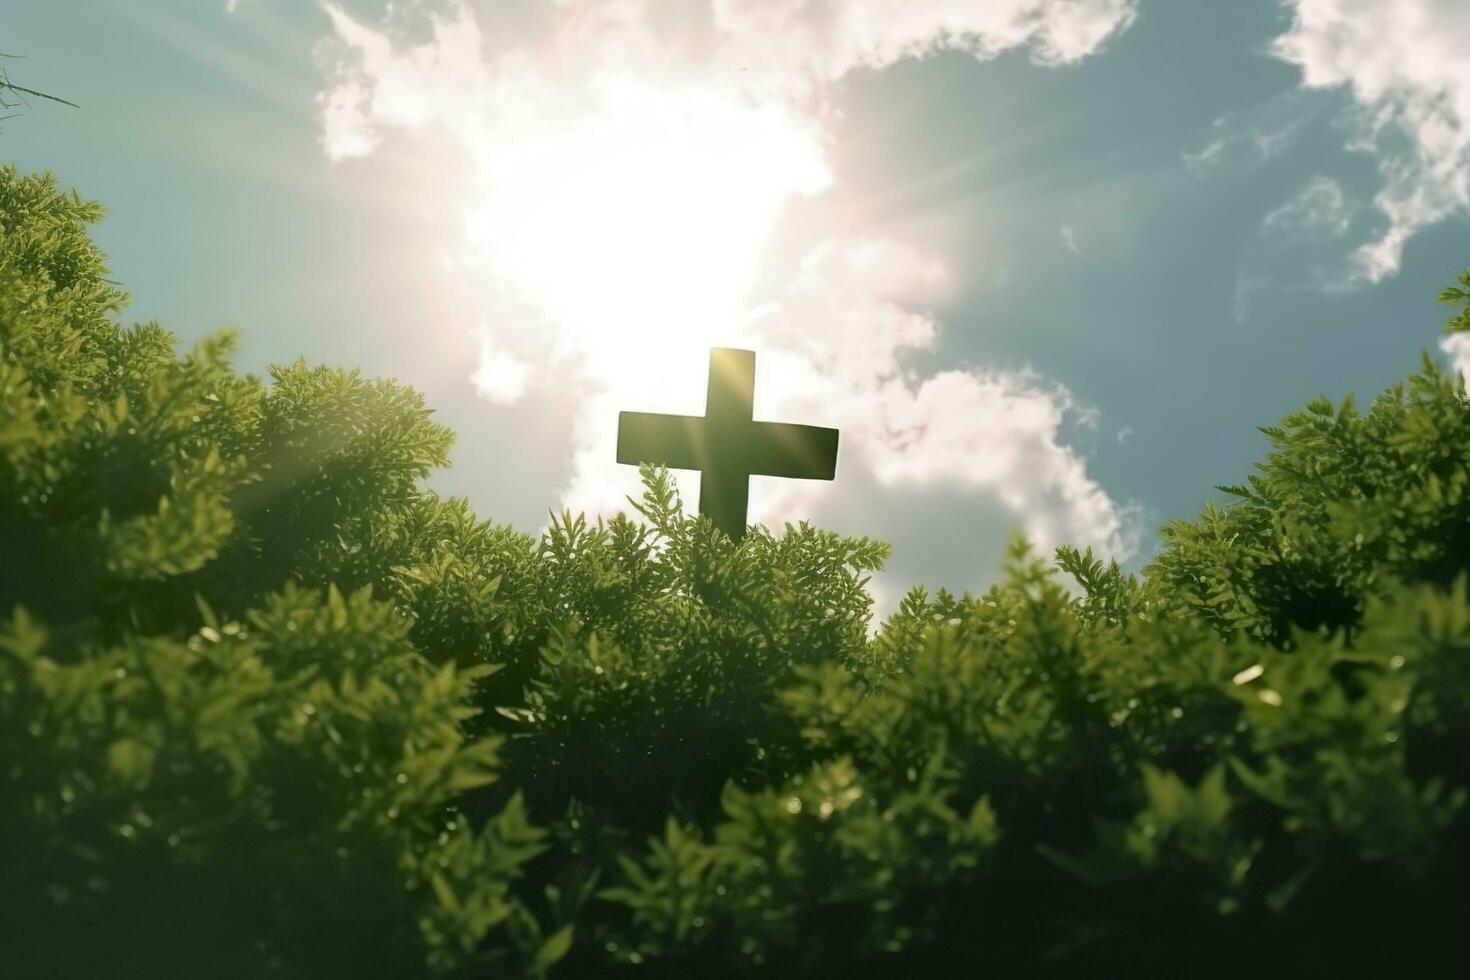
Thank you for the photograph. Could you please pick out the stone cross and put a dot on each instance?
(727, 445)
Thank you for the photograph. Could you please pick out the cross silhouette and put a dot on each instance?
(727, 445)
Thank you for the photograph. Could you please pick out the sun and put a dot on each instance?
(635, 228)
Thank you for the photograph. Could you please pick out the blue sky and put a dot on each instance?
(1047, 264)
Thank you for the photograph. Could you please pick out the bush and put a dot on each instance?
(269, 708)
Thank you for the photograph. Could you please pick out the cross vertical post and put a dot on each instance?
(724, 486)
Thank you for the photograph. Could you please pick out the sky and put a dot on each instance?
(1046, 264)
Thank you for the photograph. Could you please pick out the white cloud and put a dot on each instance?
(1271, 143)
(500, 377)
(821, 42)
(1264, 131)
(1404, 64)
(378, 84)
(629, 165)
(1319, 208)
(1205, 159)
(345, 128)
(1298, 247)
(1069, 239)
(987, 441)
(763, 51)
(1125, 434)
(1457, 347)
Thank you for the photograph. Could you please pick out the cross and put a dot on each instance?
(727, 445)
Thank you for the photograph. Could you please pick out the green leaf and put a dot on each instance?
(556, 946)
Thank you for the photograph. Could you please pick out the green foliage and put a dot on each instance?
(268, 708)
(1458, 295)
(216, 762)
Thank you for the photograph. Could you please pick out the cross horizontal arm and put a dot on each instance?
(796, 452)
(675, 441)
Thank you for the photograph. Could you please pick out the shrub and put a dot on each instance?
(269, 708)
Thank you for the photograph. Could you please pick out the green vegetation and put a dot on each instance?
(270, 709)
